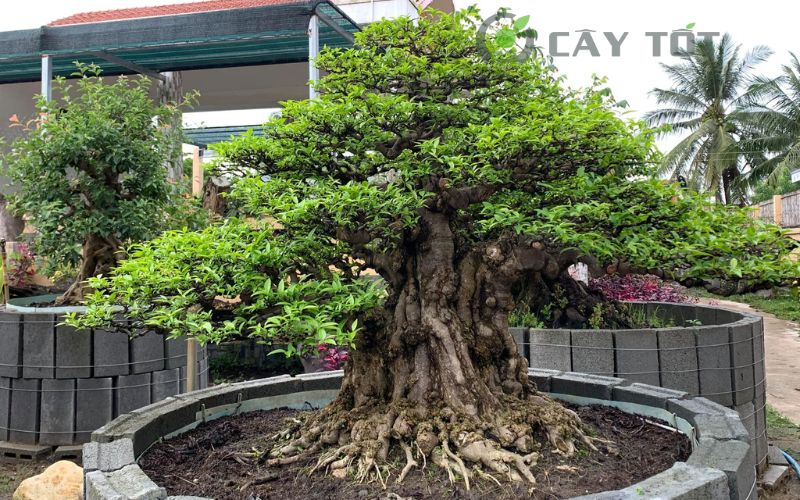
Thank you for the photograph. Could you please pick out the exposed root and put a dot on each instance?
(503, 446)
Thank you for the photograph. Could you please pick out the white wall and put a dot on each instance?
(363, 12)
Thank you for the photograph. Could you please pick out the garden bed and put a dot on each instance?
(58, 384)
(216, 461)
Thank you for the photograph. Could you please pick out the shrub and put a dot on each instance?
(640, 287)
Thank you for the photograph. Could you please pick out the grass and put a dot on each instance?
(784, 304)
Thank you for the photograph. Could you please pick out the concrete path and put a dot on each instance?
(782, 346)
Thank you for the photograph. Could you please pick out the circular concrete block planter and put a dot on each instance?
(721, 465)
(58, 384)
(710, 352)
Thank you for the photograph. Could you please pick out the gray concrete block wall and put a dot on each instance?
(11, 342)
(64, 383)
(741, 339)
(637, 356)
(678, 359)
(593, 351)
(714, 363)
(57, 415)
(175, 353)
(73, 352)
(550, 349)
(38, 346)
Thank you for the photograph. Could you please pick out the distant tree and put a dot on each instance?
(708, 102)
(90, 171)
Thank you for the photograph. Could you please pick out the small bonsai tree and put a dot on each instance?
(464, 178)
(90, 171)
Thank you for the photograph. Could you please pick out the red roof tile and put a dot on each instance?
(164, 10)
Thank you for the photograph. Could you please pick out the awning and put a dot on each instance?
(202, 137)
(271, 34)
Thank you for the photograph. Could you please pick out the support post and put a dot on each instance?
(777, 209)
(47, 76)
(197, 172)
(313, 52)
(191, 364)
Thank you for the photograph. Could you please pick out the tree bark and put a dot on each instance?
(170, 91)
(99, 255)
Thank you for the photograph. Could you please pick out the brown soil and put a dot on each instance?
(218, 460)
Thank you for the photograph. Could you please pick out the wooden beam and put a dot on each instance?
(197, 172)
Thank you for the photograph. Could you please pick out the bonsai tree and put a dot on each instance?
(90, 171)
(463, 178)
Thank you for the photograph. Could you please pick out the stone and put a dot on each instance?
(734, 458)
(38, 346)
(550, 349)
(94, 406)
(520, 335)
(678, 359)
(73, 352)
(57, 425)
(714, 364)
(61, 481)
(637, 356)
(24, 414)
(593, 352)
(580, 384)
(132, 392)
(741, 339)
(108, 457)
(646, 395)
(110, 353)
(165, 383)
(11, 340)
(147, 353)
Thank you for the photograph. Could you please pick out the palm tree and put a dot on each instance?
(774, 118)
(708, 100)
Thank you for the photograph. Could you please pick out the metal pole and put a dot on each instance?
(47, 77)
(313, 52)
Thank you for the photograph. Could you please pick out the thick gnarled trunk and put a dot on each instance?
(99, 255)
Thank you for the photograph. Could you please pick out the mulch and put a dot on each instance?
(213, 461)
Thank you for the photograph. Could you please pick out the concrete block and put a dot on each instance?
(165, 383)
(38, 346)
(747, 415)
(108, 457)
(147, 353)
(688, 409)
(331, 380)
(741, 338)
(775, 476)
(721, 427)
(11, 340)
(73, 352)
(759, 371)
(24, 414)
(111, 356)
(69, 452)
(57, 424)
(94, 406)
(593, 352)
(132, 392)
(776, 456)
(734, 458)
(647, 395)
(681, 481)
(678, 359)
(520, 335)
(97, 487)
(637, 356)
(24, 452)
(727, 316)
(273, 386)
(714, 364)
(128, 483)
(674, 315)
(175, 353)
(579, 384)
(5, 402)
(762, 445)
(550, 349)
(542, 378)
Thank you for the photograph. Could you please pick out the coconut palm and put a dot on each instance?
(774, 118)
(708, 100)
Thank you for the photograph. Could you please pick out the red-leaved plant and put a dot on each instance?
(640, 287)
(333, 358)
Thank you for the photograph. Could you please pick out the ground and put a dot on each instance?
(11, 474)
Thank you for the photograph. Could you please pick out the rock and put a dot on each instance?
(767, 293)
(61, 481)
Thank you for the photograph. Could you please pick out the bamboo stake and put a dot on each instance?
(4, 270)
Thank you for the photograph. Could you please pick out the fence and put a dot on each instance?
(783, 210)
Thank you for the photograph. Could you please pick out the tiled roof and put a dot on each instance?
(164, 10)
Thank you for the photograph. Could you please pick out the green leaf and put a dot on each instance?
(690, 26)
(505, 38)
(521, 22)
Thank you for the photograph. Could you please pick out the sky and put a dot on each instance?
(631, 75)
